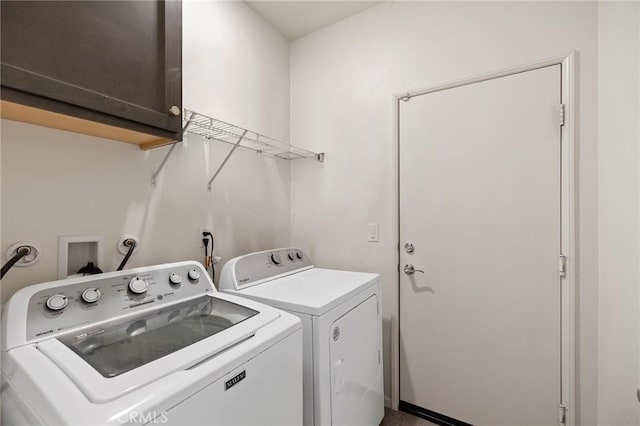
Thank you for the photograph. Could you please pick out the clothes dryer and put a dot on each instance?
(342, 330)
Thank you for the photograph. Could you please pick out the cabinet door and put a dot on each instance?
(101, 60)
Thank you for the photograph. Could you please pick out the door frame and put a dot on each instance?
(568, 222)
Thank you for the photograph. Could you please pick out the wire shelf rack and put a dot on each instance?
(213, 129)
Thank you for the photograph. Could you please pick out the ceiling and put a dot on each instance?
(297, 18)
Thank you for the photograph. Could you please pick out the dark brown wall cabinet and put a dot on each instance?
(106, 68)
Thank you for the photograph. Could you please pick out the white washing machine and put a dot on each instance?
(341, 313)
(150, 345)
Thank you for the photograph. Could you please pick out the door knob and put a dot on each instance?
(174, 110)
(409, 248)
(410, 270)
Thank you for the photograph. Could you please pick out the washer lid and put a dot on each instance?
(131, 343)
(110, 360)
(313, 292)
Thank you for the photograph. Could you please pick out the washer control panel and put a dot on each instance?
(71, 303)
(251, 269)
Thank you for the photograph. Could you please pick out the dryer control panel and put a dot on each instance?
(255, 268)
(61, 305)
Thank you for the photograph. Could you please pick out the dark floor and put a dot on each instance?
(398, 418)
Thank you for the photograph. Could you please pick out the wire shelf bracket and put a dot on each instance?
(185, 124)
(154, 177)
(225, 160)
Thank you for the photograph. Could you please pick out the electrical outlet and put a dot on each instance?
(201, 230)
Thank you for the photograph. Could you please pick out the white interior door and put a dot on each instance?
(480, 200)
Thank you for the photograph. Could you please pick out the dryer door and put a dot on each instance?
(356, 370)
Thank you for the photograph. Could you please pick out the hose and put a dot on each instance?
(20, 253)
(209, 259)
(131, 243)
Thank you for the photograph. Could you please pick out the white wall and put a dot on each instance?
(342, 81)
(236, 68)
(619, 212)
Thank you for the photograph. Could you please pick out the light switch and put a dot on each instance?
(373, 233)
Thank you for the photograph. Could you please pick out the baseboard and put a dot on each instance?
(387, 401)
(431, 416)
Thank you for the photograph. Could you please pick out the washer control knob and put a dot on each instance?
(138, 285)
(57, 302)
(291, 256)
(275, 258)
(91, 295)
(175, 279)
(299, 254)
(193, 274)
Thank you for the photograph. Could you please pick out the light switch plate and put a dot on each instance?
(373, 234)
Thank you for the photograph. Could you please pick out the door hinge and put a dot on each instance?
(562, 415)
(562, 265)
(562, 114)
(379, 360)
